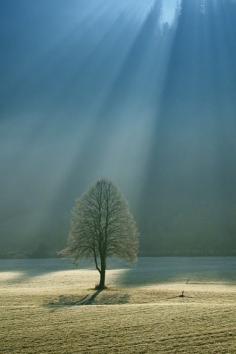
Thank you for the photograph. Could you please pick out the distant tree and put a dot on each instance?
(102, 226)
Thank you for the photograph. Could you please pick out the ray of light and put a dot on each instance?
(129, 90)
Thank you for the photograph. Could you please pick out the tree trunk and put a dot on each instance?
(102, 274)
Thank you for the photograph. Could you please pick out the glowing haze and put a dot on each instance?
(142, 92)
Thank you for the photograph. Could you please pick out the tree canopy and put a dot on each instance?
(102, 226)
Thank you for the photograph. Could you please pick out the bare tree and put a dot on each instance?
(102, 226)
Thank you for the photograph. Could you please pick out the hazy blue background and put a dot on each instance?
(141, 91)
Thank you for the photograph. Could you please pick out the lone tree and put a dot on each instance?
(102, 226)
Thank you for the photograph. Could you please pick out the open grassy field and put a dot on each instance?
(38, 314)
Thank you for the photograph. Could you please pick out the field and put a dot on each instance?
(39, 311)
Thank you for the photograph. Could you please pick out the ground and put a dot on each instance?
(39, 313)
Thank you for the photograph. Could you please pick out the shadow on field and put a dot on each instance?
(148, 270)
(192, 270)
(24, 269)
(98, 297)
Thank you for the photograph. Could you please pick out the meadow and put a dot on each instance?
(140, 312)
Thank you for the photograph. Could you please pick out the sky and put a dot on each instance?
(141, 92)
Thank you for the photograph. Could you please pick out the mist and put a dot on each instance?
(141, 92)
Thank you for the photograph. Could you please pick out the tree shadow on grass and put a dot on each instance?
(72, 300)
(97, 297)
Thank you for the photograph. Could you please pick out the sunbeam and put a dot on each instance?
(140, 92)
